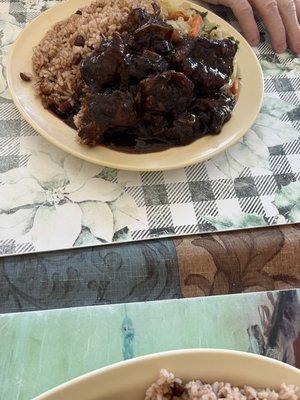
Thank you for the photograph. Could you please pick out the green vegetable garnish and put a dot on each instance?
(233, 39)
(202, 14)
(209, 26)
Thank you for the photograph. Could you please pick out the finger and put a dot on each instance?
(288, 13)
(274, 25)
(244, 13)
(297, 4)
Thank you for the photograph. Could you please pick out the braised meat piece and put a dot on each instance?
(156, 29)
(104, 111)
(141, 66)
(170, 91)
(208, 63)
(213, 111)
(182, 50)
(151, 89)
(155, 35)
(180, 133)
(163, 47)
(136, 18)
(152, 33)
(101, 69)
(205, 76)
(215, 49)
(149, 32)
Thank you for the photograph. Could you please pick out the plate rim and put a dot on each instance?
(213, 151)
(169, 353)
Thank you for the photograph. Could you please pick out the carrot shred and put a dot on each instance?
(235, 87)
(178, 14)
(196, 25)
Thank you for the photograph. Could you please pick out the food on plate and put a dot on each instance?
(167, 387)
(137, 76)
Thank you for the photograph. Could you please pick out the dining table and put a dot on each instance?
(203, 256)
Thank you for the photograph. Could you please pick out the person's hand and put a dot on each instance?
(281, 19)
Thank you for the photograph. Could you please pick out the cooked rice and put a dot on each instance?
(196, 390)
(57, 79)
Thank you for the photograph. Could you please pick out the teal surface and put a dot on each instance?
(39, 350)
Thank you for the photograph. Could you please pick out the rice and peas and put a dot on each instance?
(167, 387)
(56, 59)
(57, 76)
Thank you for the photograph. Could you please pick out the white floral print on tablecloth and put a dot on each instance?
(58, 199)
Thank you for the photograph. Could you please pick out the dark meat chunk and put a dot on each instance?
(155, 27)
(225, 48)
(136, 18)
(182, 50)
(140, 66)
(206, 116)
(155, 131)
(151, 89)
(208, 63)
(212, 112)
(153, 126)
(203, 74)
(163, 47)
(105, 111)
(180, 134)
(167, 92)
(150, 131)
(101, 69)
(151, 34)
(139, 19)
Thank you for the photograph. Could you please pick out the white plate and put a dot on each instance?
(61, 135)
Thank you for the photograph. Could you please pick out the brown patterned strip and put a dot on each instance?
(235, 262)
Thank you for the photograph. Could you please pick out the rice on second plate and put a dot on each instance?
(56, 58)
(167, 387)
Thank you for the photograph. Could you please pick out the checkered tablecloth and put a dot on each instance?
(254, 183)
